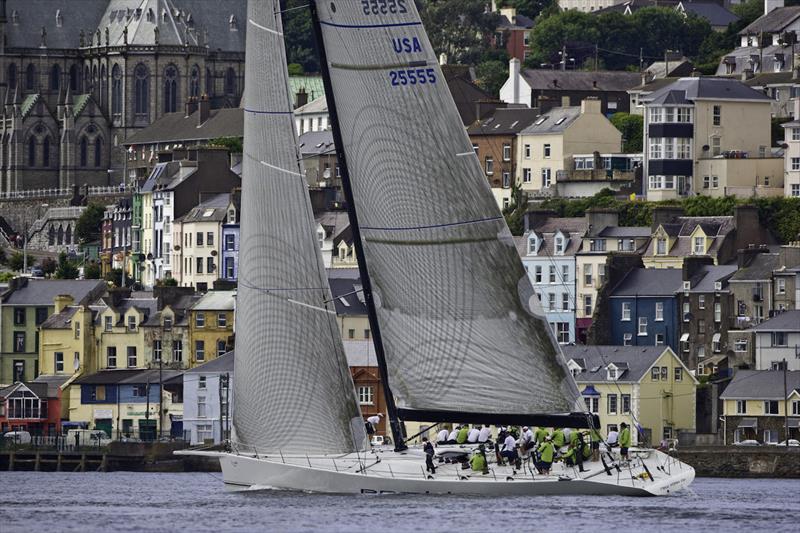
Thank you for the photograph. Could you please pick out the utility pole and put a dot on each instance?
(641, 59)
(785, 402)
(596, 59)
(160, 393)
(147, 407)
(564, 57)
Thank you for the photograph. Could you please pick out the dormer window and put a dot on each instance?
(233, 23)
(699, 246)
(560, 245)
(612, 373)
(661, 246)
(167, 323)
(131, 323)
(231, 216)
(533, 245)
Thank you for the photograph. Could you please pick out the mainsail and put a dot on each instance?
(462, 330)
(293, 388)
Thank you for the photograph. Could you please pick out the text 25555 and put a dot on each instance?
(412, 76)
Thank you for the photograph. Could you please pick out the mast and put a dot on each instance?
(395, 423)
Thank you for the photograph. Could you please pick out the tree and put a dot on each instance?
(65, 269)
(91, 271)
(299, 35)
(295, 69)
(233, 144)
(89, 224)
(16, 262)
(115, 277)
(492, 75)
(458, 28)
(530, 8)
(632, 128)
(49, 266)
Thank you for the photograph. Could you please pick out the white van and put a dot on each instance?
(87, 437)
(17, 437)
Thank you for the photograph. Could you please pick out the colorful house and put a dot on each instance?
(649, 388)
(208, 400)
(28, 406)
(211, 326)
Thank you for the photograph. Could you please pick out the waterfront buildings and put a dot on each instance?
(211, 326)
(208, 401)
(198, 236)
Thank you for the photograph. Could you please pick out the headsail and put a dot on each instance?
(293, 386)
(463, 332)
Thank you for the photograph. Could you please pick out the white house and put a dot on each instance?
(791, 138)
(207, 403)
(776, 340)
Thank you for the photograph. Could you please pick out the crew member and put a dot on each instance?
(478, 461)
(510, 450)
(557, 436)
(427, 447)
(484, 434)
(473, 435)
(451, 438)
(540, 435)
(372, 423)
(441, 437)
(462, 435)
(624, 441)
(546, 452)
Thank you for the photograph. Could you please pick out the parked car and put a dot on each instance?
(37, 272)
(792, 442)
(17, 437)
(380, 440)
(748, 442)
(88, 437)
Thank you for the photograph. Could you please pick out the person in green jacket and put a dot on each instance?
(558, 438)
(624, 440)
(573, 437)
(463, 433)
(546, 452)
(539, 435)
(478, 461)
(595, 436)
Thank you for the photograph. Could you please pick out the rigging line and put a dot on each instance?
(343, 295)
(370, 26)
(267, 112)
(434, 226)
(291, 9)
(467, 153)
(268, 292)
(260, 27)
(273, 167)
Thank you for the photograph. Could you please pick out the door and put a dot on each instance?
(147, 430)
(104, 424)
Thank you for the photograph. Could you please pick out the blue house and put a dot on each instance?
(644, 308)
(230, 239)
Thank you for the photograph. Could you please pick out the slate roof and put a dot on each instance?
(760, 385)
(759, 269)
(658, 69)
(344, 289)
(710, 275)
(773, 22)
(42, 291)
(578, 80)
(784, 321)
(148, 306)
(625, 231)
(214, 209)
(519, 22)
(715, 14)
(167, 175)
(333, 222)
(216, 301)
(76, 15)
(717, 228)
(39, 389)
(556, 120)
(177, 127)
(648, 282)
(53, 383)
(223, 363)
(317, 143)
(318, 105)
(686, 90)
(61, 320)
(504, 121)
(764, 79)
(128, 376)
(465, 93)
(635, 360)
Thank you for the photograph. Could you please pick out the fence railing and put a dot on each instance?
(93, 190)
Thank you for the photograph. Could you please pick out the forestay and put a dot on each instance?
(462, 329)
(293, 388)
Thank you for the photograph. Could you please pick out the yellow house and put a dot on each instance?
(645, 386)
(211, 326)
(66, 340)
(147, 269)
(690, 236)
(122, 331)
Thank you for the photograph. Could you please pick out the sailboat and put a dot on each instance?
(459, 333)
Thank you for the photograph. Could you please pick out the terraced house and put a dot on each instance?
(211, 327)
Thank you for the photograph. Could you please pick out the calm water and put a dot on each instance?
(50, 502)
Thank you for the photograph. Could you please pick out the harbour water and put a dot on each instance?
(124, 501)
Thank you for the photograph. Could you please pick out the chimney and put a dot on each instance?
(590, 106)
(746, 216)
(746, 255)
(770, 5)
(118, 294)
(61, 302)
(598, 218)
(747, 74)
(205, 110)
(565, 101)
(302, 97)
(513, 73)
(545, 104)
(191, 105)
(665, 214)
(692, 264)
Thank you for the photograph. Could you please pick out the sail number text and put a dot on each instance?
(382, 7)
(412, 76)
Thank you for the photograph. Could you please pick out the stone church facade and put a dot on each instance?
(79, 76)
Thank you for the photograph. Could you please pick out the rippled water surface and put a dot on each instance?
(122, 501)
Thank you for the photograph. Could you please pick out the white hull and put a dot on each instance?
(405, 473)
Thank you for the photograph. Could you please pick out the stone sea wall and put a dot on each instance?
(742, 462)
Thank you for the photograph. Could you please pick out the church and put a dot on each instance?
(80, 76)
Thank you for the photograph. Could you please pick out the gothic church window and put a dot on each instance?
(103, 86)
(12, 76)
(84, 149)
(116, 91)
(141, 100)
(87, 81)
(209, 83)
(46, 152)
(55, 78)
(30, 77)
(170, 89)
(194, 83)
(98, 151)
(73, 78)
(51, 236)
(230, 82)
(32, 152)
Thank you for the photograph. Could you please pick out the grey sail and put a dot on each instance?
(293, 388)
(462, 329)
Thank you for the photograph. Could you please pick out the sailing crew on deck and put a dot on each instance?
(484, 434)
(546, 452)
(478, 460)
(526, 440)
(473, 435)
(372, 423)
(613, 437)
(557, 436)
(451, 438)
(596, 438)
(427, 447)
(624, 441)
(461, 437)
(540, 435)
(510, 450)
(441, 437)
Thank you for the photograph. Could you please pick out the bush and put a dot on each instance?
(91, 271)
(16, 261)
(66, 269)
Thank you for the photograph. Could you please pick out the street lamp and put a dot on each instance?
(27, 235)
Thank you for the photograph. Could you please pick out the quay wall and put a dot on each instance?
(742, 462)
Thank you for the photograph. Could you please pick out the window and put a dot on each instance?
(551, 301)
(170, 89)
(562, 332)
(116, 91)
(111, 356)
(552, 271)
(642, 326)
(200, 350)
(587, 280)
(686, 311)
(627, 339)
(592, 404)
(626, 311)
(659, 311)
(222, 320)
(684, 114)
(230, 82)
(655, 373)
(545, 177)
(198, 265)
(564, 273)
(177, 351)
(770, 407)
(546, 151)
(655, 149)
(204, 432)
(527, 150)
(489, 165)
(366, 334)
(19, 341)
(475, 148)
(84, 152)
(661, 246)
(201, 407)
(659, 339)
(701, 352)
(656, 114)
(780, 285)
(351, 334)
(199, 238)
(221, 347)
(716, 146)
(167, 323)
(209, 265)
(717, 312)
(156, 350)
(795, 190)
(701, 326)
(141, 92)
(779, 338)
(701, 301)
(210, 238)
(506, 152)
(108, 323)
(587, 304)
(740, 345)
(538, 274)
(366, 395)
(795, 407)
(230, 242)
(59, 360)
(194, 82)
(526, 175)
(597, 245)
(132, 362)
(98, 152)
(717, 114)
(741, 407)
(77, 330)
(626, 404)
(699, 245)
(19, 316)
(559, 245)
(202, 382)
(200, 320)
(611, 400)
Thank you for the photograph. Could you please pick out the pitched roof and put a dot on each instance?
(760, 268)
(318, 105)
(42, 291)
(504, 121)
(578, 80)
(686, 90)
(625, 231)
(677, 67)
(634, 360)
(214, 209)
(317, 143)
(760, 385)
(519, 22)
(177, 127)
(61, 320)
(39, 389)
(33, 15)
(784, 321)
(312, 85)
(216, 301)
(773, 22)
(715, 14)
(554, 121)
(645, 282)
(712, 274)
(347, 296)
(715, 227)
(53, 383)
(223, 363)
